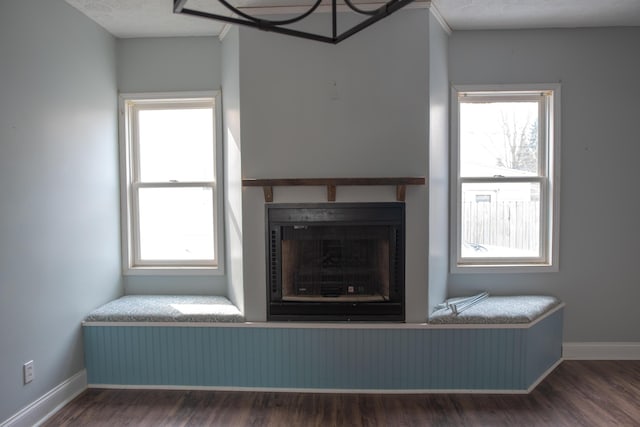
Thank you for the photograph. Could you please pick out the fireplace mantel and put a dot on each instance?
(331, 184)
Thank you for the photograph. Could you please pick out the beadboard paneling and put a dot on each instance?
(323, 358)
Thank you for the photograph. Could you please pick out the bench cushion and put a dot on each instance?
(167, 308)
(499, 310)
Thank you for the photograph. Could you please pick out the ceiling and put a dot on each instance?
(154, 18)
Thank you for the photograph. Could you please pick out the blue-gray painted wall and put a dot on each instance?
(171, 64)
(598, 71)
(59, 216)
(438, 163)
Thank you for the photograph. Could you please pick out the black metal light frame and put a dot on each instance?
(277, 26)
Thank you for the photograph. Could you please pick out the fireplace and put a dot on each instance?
(335, 262)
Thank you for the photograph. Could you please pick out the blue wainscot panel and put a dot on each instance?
(410, 358)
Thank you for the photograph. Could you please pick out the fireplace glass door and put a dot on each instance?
(336, 262)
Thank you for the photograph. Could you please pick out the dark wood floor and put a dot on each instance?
(577, 393)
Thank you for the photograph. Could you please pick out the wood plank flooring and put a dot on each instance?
(577, 393)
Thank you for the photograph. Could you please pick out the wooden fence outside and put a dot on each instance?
(512, 224)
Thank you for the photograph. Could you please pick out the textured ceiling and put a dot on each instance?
(147, 18)
(154, 18)
(513, 14)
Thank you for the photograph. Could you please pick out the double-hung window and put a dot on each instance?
(505, 178)
(170, 167)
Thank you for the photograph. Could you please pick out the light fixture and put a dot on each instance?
(280, 25)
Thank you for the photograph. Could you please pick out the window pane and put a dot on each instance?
(176, 223)
(176, 145)
(500, 220)
(498, 139)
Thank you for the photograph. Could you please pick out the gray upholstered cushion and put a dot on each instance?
(499, 310)
(167, 308)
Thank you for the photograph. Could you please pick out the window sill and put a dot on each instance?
(173, 271)
(504, 269)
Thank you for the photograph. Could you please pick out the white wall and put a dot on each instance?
(356, 109)
(59, 223)
(171, 64)
(598, 70)
(233, 166)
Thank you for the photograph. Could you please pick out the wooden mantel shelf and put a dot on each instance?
(331, 184)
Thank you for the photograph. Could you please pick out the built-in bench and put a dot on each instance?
(501, 344)
(498, 310)
(167, 308)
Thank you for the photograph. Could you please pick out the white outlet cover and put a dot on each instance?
(28, 372)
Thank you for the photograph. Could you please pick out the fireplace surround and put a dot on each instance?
(335, 262)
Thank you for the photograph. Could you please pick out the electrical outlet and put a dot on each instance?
(28, 372)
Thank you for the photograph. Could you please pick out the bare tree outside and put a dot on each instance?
(499, 138)
(520, 140)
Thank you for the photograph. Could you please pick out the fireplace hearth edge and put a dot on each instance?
(336, 262)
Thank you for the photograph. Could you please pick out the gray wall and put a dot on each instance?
(170, 65)
(438, 163)
(356, 109)
(59, 223)
(599, 232)
(166, 64)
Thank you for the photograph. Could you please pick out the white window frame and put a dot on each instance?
(131, 265)
(549, 178)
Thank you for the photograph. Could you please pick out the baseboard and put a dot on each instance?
(43, 408)
(311, 390)
(601, 351)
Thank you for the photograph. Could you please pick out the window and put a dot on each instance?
(170, 174)
(505, 186)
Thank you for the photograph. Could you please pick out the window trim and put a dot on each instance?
(127, 103)
(550, 260)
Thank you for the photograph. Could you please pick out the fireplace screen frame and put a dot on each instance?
(282, 217)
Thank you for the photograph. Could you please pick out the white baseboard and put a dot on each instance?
(314, 390)
(601, 351)
(39, 411)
